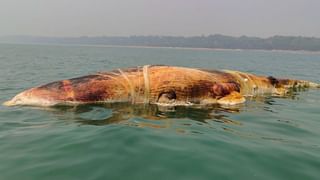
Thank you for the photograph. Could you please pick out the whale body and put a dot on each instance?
(158, 84)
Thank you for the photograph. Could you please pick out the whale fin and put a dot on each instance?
(314, 85)
(232, 99)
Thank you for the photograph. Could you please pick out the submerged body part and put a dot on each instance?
(158, 84)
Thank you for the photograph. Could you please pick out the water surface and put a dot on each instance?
(265, 138)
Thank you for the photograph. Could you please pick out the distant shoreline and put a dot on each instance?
(210, 42)
(166, 47)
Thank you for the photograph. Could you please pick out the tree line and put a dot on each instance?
(210, 41)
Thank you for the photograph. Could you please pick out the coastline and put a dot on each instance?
(166, 47)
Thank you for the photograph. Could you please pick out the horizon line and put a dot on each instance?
(128, 36)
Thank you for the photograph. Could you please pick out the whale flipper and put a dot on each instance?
(232, 99)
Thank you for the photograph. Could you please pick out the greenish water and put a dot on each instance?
(265, 138)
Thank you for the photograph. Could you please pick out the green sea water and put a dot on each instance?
(264, 138)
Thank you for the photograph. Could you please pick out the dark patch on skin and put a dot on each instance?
(220, 90)
(273, 80)
(69, 99)
(83, 89)
(76, 82)
(285, 82)
(83, 79)
(91, 96)
(229, 87)
(53, 85)
(233, 85)
(200, 89)
(214, 90)
(165, 82)
(168, 95)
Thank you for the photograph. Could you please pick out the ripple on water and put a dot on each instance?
(265, 138)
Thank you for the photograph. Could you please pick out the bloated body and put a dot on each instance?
(164, 85)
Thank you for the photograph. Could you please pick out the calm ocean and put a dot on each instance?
(265, 138)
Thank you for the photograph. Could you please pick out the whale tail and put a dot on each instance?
(303, 84)
(296, 85)
(314, 85)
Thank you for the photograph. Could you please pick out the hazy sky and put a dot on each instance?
(159, 17)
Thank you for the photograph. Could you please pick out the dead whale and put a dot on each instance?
(158, 84)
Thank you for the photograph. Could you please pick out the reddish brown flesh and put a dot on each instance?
(186, 83)
(154, 83)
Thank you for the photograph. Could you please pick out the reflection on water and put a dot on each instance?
(264, 138)
(104, 114)
(181, 119)
(115, 113)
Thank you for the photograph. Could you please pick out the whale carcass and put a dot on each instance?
(158, 84)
